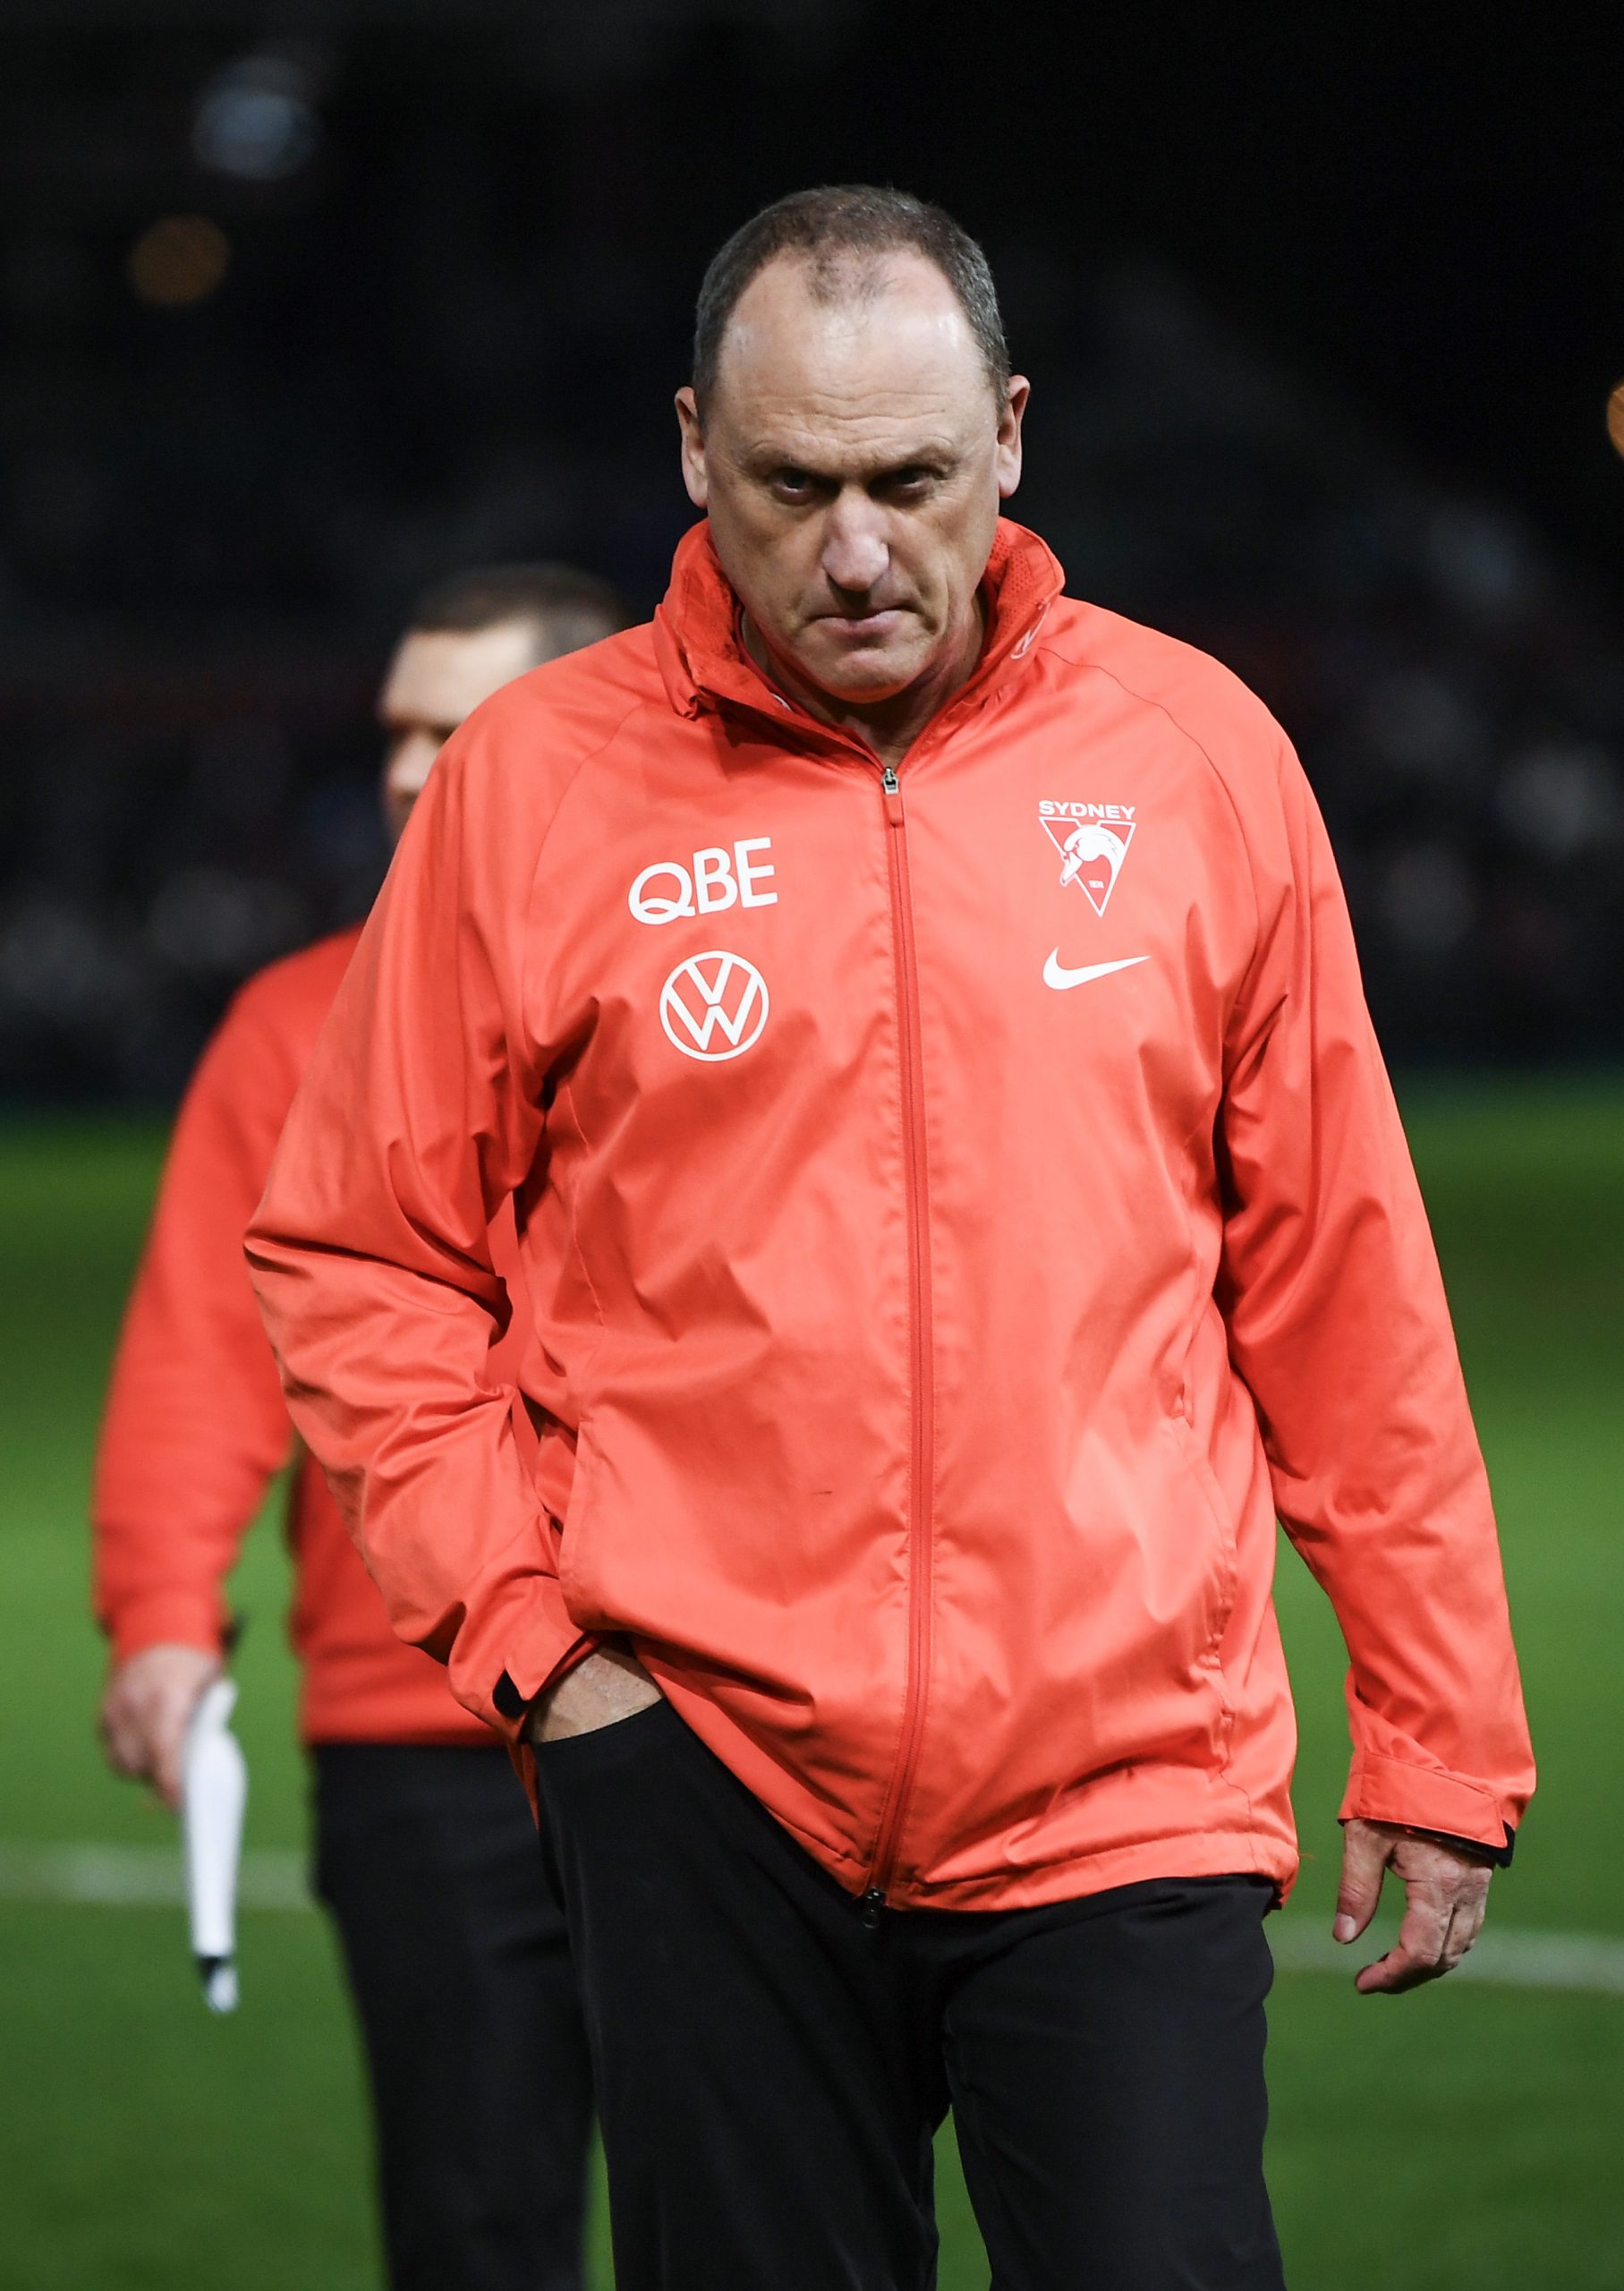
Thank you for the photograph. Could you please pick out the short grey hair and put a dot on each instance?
(839, 230)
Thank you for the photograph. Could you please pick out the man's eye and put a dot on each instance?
(795, 484)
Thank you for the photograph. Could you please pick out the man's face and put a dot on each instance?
(438, 676)
(852, 462)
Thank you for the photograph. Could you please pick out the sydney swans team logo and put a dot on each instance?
(711, 995)
(1092, 840)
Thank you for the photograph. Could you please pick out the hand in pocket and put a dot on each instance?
(609, 1686)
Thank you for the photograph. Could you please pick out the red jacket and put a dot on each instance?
(961, 1207)
(196, 1425)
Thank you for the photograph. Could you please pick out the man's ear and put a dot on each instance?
(694, 447)
(1010, 435)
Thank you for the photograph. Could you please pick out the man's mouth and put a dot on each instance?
(861, 627)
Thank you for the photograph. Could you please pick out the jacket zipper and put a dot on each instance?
(881, 1869)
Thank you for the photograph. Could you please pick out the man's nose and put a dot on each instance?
(855, 553)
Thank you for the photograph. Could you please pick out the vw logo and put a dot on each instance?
(712, 994)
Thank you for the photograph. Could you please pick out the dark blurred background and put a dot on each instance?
(304, 307)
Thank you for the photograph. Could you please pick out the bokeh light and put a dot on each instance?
(1615, 417)
(257, 119)
(179, 260)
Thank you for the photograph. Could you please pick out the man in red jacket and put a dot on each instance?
(425, 1852)
(915, 1016)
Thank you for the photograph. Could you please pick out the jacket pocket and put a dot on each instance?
(1222, 1574)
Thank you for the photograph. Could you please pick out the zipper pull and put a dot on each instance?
(873, 1901)
(892, 786)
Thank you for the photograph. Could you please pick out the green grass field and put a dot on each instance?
(1468, 2136)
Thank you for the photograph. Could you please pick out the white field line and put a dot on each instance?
(140, 1876)
(1590, 1962)
(149, 1877)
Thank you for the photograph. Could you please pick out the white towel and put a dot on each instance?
(214, 1790)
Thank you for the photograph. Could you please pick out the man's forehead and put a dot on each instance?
(888, 343)
(828, 441)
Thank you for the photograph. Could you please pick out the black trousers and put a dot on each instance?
(770, 2070)
(460, 1967)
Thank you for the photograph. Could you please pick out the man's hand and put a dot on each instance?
(1446, 1892)
(147, 1708)
(609, 1686)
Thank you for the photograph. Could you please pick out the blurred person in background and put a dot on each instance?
(916, 1016)
(425, 1850)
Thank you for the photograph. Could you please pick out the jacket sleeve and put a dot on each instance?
(195, 1425)
(1338, 1326)
(419, 1114)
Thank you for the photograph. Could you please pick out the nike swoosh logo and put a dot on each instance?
(1054, 973)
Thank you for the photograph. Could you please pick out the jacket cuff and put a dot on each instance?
(1498, 1857)
(510, 1700)
(167, 1618)
(1425, 1798)
(520, 1654)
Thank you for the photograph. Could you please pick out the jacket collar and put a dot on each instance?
(704, 663)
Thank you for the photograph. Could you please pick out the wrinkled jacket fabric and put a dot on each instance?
(196, 1429)
(957, 1219)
